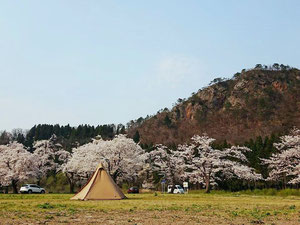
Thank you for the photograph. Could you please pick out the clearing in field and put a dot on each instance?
(151, 208)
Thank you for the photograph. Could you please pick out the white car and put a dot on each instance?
(32, 188)
(177, 189)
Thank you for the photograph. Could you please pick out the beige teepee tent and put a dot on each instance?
(100, 187)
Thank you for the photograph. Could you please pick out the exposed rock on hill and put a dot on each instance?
(253, 103)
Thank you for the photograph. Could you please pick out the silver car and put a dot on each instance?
(32, 188)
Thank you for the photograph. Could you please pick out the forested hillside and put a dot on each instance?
(255, 103)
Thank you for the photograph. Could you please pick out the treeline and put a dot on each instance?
(71, 137)
(68, 136)
(262, 148)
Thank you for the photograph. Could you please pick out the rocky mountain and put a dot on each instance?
(255, 102)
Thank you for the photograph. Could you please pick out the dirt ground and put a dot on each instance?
(141, 217)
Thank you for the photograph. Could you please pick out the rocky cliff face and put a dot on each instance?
(253, 103)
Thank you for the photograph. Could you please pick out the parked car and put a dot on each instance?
(32, 188)
(133, 190)
(175, 189)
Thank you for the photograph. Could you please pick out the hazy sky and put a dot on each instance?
(99, 62)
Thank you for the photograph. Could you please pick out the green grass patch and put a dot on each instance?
(239, 206)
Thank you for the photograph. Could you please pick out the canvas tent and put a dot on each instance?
(100, 187)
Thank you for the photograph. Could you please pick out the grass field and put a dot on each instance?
(151, 208)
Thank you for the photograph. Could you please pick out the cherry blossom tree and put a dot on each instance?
(146, 176)
(164, 162)
(296, 175)
(202, 163)
(122, 158)
(16, 165)
(50, 156)
(284, 164)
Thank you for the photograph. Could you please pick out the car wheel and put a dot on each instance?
(42, 192)
(30, 192)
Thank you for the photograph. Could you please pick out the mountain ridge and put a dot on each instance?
(255, 102)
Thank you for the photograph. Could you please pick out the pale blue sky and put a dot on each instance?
(99, 62)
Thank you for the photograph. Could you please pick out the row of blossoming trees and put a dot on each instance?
(197, 162)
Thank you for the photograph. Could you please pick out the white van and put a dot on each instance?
(177, 189)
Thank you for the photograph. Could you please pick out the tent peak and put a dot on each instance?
(100, 166)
